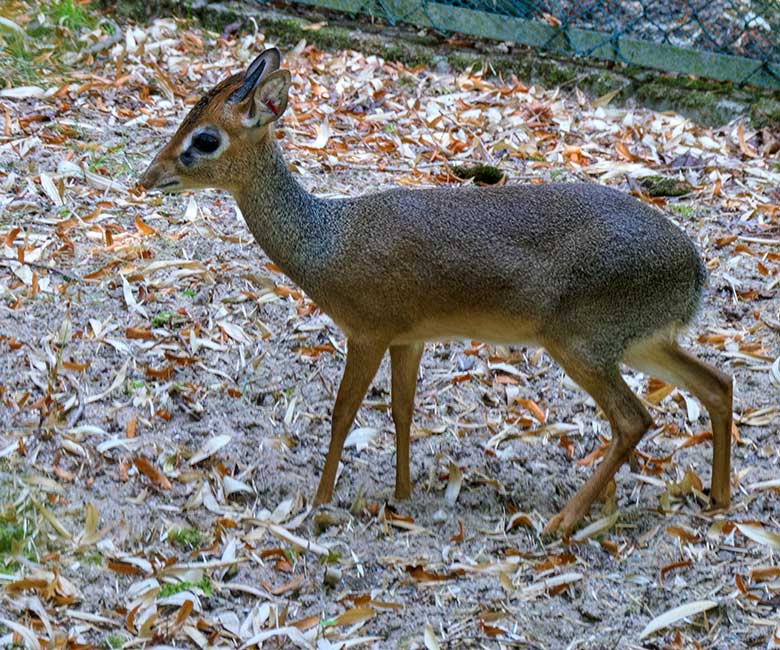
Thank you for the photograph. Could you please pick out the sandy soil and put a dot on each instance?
(216, 348)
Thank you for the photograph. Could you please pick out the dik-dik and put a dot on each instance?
(593, 275)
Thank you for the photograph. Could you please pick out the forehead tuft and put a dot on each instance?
(224, 87)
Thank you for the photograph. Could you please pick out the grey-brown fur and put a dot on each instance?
(582, 259)
(593, 275)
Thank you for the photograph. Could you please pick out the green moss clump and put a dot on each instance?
(765, 113)
(70, 14)
(665, 186)
(482, 174)
(11, 536)
(115, 641)
(683, 209)
(204, 584)
(187, 538)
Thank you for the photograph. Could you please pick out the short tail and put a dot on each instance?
(699, 282)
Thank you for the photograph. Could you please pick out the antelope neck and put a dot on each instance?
(288, 222)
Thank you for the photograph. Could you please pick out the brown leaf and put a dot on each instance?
(760, 574)
(684, 534)
(143, 228)
(354, 615)
(164, 373)
(696, 439)
(184, 611)
(76, 366)
(552, 561)
(138, 333)
(306, 623)
(152, 473)
(534, 409)
(123, 567)
(293, 585)
(458, 537)
(671, 567)
(131, 427)
(744, 147)
(102, 272)
(421, 574)
(27, 584)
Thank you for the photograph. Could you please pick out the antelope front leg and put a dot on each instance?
(363, 359)
(405, 360)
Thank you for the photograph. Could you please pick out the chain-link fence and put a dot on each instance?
(727, 40)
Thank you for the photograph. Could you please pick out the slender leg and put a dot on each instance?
(628, 419)
(405, 360)
(363, 359)
(666, 359)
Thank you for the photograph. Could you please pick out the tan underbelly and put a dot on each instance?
(478, 327)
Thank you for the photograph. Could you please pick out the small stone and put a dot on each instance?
(440, 516)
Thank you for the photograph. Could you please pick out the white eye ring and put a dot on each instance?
(224, 142)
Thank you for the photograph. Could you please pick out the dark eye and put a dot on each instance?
(206, 142)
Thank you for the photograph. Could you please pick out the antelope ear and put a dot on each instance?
(265, 63)
(268, 101)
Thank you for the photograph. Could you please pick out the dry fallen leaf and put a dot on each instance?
(676, 614)
(157, 478)
(209, 448)
(431, 643)
(135, 323)
(760, 534)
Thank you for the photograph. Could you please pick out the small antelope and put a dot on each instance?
(593, 275)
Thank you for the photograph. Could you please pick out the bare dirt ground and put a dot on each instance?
(165, 393)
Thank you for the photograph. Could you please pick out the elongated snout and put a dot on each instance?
(151, 175)
(160, 175)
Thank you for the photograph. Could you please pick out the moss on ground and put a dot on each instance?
(185, 538)
(169, 589)
(482, 174)
(11, 537)
(665, 186)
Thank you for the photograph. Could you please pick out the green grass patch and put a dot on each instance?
(683, 209)
(407, 81)
(16, 537)
(37, 46)
(163, 318)
(204, 585)
(17, 59)
(134, 384)
(115, 641)
(332, 557)
(70, 14)
(113, 161)
(94, 559)
(190, 293)
(11, 537)
(186, 538)
(557, 174)
(170, 318)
